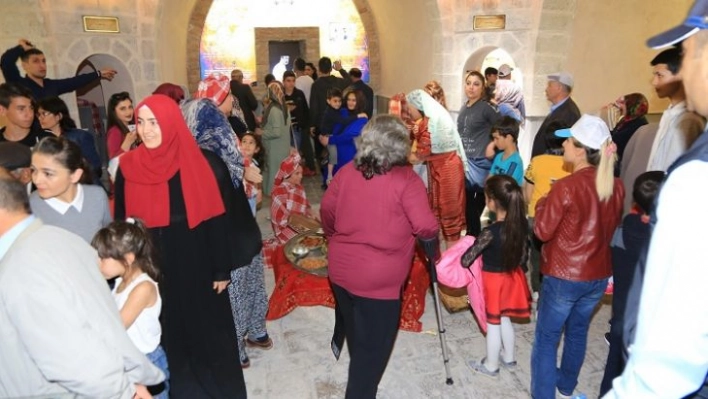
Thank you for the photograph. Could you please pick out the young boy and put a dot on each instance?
(508, 161)
(18, 107)
(627, 244)
(333, 121)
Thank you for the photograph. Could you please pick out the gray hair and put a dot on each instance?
(13, 194)
(383, 144)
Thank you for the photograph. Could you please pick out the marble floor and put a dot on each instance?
(301, 364)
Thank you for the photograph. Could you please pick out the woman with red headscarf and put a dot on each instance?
(288, 197)
(174, 187)
(632, 109)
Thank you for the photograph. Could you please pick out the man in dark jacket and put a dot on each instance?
(318, 95)
(35, 65)
(245, 97)
(359, 84)
(563, 109)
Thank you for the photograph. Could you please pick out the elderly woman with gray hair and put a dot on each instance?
(371, 247)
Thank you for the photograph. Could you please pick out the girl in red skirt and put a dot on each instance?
(503, 247)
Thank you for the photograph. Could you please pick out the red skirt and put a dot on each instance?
(506, 295)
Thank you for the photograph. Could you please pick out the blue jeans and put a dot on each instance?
(296, 137)
(563, 305)
(159, 359)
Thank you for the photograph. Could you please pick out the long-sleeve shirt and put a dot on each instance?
(669, 356)
(371, 247)
(60, 331)
(51, 87)
(677, 130)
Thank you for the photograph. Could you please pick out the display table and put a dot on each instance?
(295, 288)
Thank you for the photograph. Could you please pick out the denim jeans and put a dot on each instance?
(563, 305)
(159, 359)
(296, 137)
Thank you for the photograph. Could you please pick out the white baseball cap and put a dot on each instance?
(505, 70)
(591, 131)
(562, 77)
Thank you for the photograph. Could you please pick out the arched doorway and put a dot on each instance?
(91, 100)
(201, 10)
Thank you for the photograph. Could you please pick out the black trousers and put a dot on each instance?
(371, 327)
(474, 206)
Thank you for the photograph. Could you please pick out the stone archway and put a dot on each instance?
(201, 9)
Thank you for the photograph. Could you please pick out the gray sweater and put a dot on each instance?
(94, 213)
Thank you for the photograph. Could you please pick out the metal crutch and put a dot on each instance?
(431, 248)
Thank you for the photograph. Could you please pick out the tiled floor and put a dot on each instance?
(301, 364)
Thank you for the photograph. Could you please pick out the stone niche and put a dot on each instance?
(309, 38)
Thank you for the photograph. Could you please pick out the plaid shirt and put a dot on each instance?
(286, 198)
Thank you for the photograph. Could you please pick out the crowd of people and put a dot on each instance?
(177, 298)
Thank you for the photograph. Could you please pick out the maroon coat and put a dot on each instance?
(371, 226)
(577, 228)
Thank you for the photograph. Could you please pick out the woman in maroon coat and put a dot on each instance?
(372, 213)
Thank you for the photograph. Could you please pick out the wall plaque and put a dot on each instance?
(489, 22)
(101, 24)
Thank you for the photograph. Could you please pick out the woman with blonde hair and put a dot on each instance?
(276, 133)
(576, 222)
(436, 91)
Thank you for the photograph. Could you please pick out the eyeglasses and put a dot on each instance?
(44, 114)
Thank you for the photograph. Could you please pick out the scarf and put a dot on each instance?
(275, 98)
(443, 132)
(637, 106)
(287, 168)
(148, 171)
(508, 92)
(213, 132)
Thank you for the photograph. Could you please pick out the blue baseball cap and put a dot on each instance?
(696, 20)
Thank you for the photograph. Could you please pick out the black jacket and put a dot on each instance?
(247, 101)
(568, 113)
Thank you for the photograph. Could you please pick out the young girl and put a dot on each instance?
(125, 253)
(64, 196)
(253, 154)
(503, 247)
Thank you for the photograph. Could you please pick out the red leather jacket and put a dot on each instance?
(577, 228)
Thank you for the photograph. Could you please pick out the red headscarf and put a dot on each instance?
(287, 168)
(147, 171)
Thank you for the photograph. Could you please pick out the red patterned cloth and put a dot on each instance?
(286, 198)
(294, 288)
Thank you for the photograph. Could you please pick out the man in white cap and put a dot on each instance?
(505, 72)
(666, 320)
(563, 109)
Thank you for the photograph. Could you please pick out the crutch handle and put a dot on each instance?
(431, 247)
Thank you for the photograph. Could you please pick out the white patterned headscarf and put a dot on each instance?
(443, 132)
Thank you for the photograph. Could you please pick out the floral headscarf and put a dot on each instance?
(276, 98)
(637, 106)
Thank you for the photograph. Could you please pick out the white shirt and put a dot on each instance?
(304, 83)
(145, 331)
(669, 357)
(670, 140)
(63, 207)
(7, 239)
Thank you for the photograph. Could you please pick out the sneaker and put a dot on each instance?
(263, 342)
(607, 338)
(479, 367)
(571, 396)
(245, 362)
